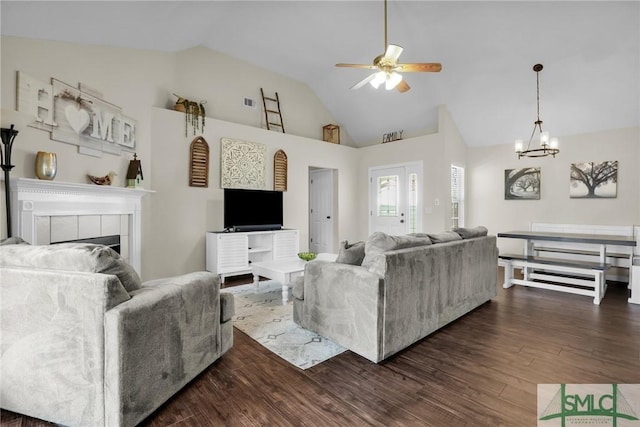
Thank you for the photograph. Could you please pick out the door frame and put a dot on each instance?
(409, 167)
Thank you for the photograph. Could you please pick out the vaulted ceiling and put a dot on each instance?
(590, 52)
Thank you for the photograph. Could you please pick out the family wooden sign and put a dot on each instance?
(396, 135)
(76, 116)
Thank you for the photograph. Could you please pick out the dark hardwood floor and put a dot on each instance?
(481, 370)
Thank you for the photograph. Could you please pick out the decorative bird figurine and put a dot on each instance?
(102, 180)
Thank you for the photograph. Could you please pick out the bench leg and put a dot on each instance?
(598, 287)
(508, 275)
(634, 281)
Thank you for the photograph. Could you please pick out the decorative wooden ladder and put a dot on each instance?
(275, 112)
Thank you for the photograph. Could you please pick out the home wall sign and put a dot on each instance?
(242, 164)
(77, 116)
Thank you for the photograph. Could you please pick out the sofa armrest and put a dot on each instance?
(52, 342)
(344, 303)
(166, 334)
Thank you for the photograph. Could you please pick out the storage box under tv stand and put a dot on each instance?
(230, 253)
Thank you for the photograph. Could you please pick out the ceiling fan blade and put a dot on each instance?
(363, 82)
(403, 86)
(369, 66)
(393, 53)
(420, 67)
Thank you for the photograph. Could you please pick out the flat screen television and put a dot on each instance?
(252, 210)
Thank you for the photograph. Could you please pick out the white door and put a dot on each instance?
(321, 210)
(395, 199)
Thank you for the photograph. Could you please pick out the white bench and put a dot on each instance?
(624, 257)
(586, 277)
(617, 256)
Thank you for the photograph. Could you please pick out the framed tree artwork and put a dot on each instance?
(522, 184)
(594, 180)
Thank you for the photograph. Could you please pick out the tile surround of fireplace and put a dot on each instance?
(45, 212)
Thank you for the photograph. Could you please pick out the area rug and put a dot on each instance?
(261, 314)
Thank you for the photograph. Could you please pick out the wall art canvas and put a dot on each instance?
(522, 184)
(242, 164)
(594, 180)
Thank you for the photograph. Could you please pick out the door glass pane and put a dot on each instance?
(388, 195)
(413, 202)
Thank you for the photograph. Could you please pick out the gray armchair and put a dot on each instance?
(84, 343)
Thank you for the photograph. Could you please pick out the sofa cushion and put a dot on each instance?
(298, 287)
(470, 233)
(351, 253)
(444, 236)
(227, 309)
(86, 257)
(379, 242)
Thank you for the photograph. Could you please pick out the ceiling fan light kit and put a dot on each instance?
(548, 146)
(388, 67)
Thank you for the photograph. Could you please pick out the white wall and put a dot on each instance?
(485, 185)
(436, 151)
(137, 81)
(224, 82)
(181, 215)
(132, 79)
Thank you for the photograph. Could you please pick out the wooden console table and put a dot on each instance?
(561, 274)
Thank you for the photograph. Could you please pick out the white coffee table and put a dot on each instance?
(283, 270)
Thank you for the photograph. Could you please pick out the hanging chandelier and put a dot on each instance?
(548, 147)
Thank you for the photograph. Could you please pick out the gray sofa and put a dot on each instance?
(406, 288)
(84, 343)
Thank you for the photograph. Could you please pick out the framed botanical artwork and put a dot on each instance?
(594, 180)
(522, 184)
(242, 164)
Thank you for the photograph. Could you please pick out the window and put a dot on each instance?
(413, 202)
(388, 195)
(457, 196)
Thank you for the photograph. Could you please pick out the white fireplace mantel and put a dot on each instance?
(34, 198)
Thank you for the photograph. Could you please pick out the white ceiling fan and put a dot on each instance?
(388, 67)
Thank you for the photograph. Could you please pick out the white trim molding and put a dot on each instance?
(33, 199)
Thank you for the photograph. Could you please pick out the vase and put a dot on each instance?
(46, 165)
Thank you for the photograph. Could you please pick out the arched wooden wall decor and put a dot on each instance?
(280, 171)
(199, 163)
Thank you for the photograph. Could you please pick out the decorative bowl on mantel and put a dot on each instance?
(307, 256)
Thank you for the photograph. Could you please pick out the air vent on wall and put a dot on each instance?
(250, 103)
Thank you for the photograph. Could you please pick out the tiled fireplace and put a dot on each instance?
(46, 212)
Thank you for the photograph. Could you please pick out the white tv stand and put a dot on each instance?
(231, 253)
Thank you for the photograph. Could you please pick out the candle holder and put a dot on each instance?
(46, 165)
(8, 136)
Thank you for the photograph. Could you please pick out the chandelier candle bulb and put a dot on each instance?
(553, 143)
(544, 139)
(519, 145)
